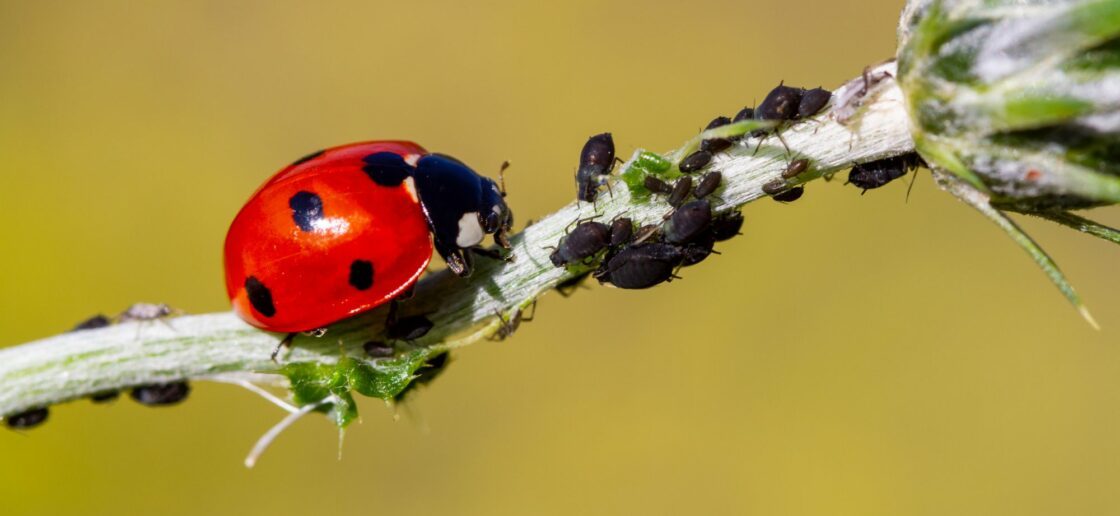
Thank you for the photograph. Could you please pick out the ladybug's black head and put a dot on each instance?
(462, 207)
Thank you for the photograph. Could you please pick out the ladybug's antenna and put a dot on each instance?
(502, 177)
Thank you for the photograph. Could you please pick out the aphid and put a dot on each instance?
(878, 173)
(378, 349)
(774, 187)
(680, 192)
(652, 162)
(795, 168)
(584, 241)
(409, 328)
(29, 419)
(161, 393)
(622, 231)
(642, 266)
(656, 185)
(698, 250)
(780, 104)
(715, 145)
(426, 373)
(726, 225)
(144, 312)
(708, 184)
(97, 321)
(105, 396)
(507, 327)
(695, 161)
(812, 101)
(596, 161)
(746, 113)
(688, 222)
(790, 195)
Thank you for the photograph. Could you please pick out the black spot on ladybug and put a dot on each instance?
(259, 296)
(307, 158)
(30, 419)
(306, 209)
(161, 393)
(386, 168)
(361, 274)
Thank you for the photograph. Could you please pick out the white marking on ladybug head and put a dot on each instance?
(410, 187)
(412, 159)
(470, 230)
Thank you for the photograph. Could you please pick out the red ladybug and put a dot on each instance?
(344, 230)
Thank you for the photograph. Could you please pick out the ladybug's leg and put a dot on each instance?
(286, 342)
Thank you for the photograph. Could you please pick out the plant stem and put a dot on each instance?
(221, 347)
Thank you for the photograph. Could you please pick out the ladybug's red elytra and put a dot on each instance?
(347, 229)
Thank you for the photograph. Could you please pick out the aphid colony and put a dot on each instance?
(150, 395)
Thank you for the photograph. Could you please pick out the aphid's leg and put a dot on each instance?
(533, 307)
(913, 179)
(789, 153)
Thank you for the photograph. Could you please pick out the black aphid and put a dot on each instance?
(29, 419)
(409, 328)
(688, 222)
(161, 393)
(642, 266)
(97, 321)
(584, 241)
(780, 104)
(715, 145)
(596, 160)
(378, 349)
(878, 173)
(726, 225)
(812, 101)
(790, 195)
(622, 231)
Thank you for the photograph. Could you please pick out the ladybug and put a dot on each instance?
(347, 229)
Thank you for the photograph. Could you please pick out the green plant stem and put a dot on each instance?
(221, 347)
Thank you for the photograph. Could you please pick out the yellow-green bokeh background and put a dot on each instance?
(848, 355)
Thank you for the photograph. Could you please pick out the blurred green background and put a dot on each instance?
(849, 355)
